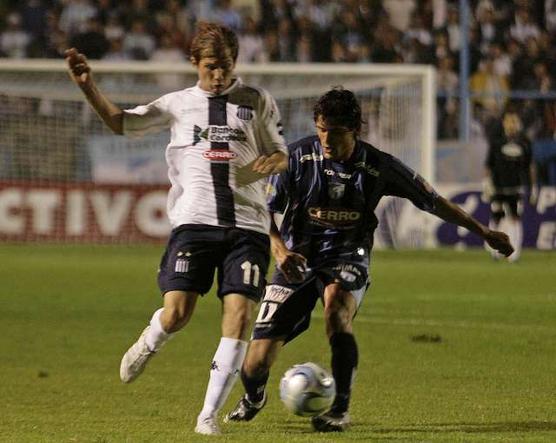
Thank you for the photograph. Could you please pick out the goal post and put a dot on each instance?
(50, 137)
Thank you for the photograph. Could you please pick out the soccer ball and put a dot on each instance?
(307, 389)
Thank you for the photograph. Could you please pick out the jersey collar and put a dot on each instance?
(236, 82)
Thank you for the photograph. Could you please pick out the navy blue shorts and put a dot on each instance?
(286, 308)
(194, 252)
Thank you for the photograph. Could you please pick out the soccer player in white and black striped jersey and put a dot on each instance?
(225, 138)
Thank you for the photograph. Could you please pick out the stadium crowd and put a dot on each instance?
(512, 43)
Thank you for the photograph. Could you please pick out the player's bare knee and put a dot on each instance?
(260, 357)
(174, 318)
(337, 319)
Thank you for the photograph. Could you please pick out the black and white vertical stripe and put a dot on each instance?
(221, 171)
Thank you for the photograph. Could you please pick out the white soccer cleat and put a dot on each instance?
(135, 359)
(207, 426)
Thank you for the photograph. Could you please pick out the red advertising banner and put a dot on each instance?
(83, 212)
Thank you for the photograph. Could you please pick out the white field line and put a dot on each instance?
(463, 324)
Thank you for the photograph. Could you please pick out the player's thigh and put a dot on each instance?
(190, 259)
(344, 281)
(285, 310)
(245, 264)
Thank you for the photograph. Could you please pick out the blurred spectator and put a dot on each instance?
(225, 14)
(75, 14)
(138, 44)
(251, 44)
(550, 15)
(33, 17)
(275, 10)
(453, 29)
(440, 14)
(489, 31)
(417, 30)
(116, 51)
(447, 89)
(346, 30)
(91, 41)
(169, 52)
(523, 28)
(386, 45)
(113, 28)
(399, 12)
(490, 88)
(14, 40)
(522, 69)
(502, 61)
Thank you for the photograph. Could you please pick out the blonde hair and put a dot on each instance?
(214, 39)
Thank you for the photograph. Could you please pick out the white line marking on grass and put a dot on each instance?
(464, 324)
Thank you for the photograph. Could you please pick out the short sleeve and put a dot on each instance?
(270, 129)
(402, 181)
(146, 119)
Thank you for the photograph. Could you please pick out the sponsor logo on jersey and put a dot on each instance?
(512, 150)
(348, 273)
(311, 157)
(331, 172)
(334, 217)
(244, 112)
(219, 155)
(336, 190)
(277, 293)
(218, 134)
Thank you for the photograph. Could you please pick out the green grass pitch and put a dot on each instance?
(453, 347)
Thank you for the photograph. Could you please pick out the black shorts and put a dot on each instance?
(285, 311)
(509, 204)
(194, 252)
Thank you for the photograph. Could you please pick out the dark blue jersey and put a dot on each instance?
(329, 206)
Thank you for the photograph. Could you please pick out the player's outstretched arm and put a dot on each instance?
(452, 213)
(262, 167)
(80, 73)
(290, 263)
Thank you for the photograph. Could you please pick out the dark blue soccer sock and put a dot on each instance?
(255, 385)
(344, 362)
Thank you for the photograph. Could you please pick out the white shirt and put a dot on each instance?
(212, 136)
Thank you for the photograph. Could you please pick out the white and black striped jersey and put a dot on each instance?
(212, 136)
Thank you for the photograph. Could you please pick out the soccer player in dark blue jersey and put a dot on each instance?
(328, 196)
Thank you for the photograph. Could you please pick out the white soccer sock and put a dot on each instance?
(156, 336)
(516, 238)
(224, 371)
(493, 252)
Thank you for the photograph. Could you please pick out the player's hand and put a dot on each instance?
(79, 69)
(261, 167)
(273, 164)
(293, 266)
(500, 242)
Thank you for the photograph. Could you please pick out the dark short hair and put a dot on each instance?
(340, 106)
(215, 38)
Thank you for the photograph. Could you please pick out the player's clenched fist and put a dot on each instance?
(500, 242)
(79, 69)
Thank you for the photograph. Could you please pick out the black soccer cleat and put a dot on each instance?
(245, 410)
(331, 422)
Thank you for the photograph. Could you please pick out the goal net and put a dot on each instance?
(64, 177)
